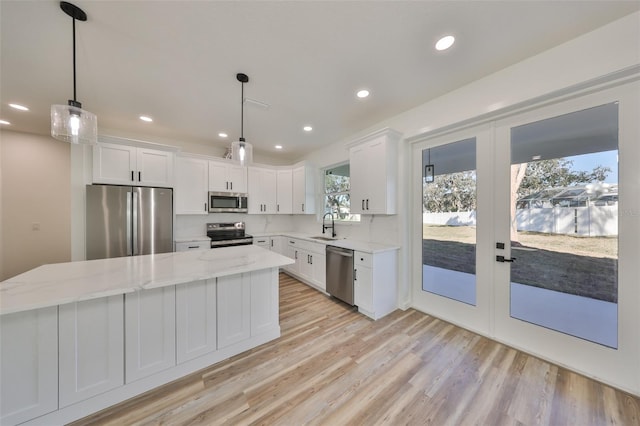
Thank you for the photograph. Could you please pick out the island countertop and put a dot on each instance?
(60, 283)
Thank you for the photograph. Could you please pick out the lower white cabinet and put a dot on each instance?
(375, 283)
(264, 301)
(28, 364)
(150, 332)
(193, 245)
(310, 266)
(196, 319)
(234, 304)
(91, 348)
(278, 244)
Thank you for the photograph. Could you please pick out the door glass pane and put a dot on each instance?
(449, 220)
(564, 223)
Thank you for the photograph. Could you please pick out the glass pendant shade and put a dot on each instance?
(74, 125)
(242, 152)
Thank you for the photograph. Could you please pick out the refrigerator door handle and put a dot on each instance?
(128, 219)
(134, 242)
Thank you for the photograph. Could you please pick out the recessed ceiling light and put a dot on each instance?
(278, 147)
(362, 93)
(445, 42)
(222, 135)
(145, 118)
(19, 107)
(4, 122)
(307, 128)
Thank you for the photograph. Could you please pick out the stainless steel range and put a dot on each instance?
(228, 234)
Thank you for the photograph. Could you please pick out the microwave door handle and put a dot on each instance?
(135, 224)
(128, 219)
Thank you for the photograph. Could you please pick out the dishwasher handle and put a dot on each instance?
(340, 251)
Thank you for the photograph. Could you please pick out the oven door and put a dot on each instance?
(227, 202)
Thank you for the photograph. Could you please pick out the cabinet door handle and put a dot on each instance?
(311, 259)
(303, 207)
(367, 204)
(296, 255)
(132, 178)
(193, 247)
(231, 185)
(363, 204)
(139, 176)
(355, 274)
(278, 207)
(205, 207)
(271, 243)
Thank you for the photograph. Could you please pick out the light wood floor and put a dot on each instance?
(333, 366)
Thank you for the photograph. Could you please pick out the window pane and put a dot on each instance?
(336, 188)
(449, 221)
(564, 223)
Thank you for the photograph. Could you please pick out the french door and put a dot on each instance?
(545, 255)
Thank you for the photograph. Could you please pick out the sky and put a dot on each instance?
(587, 162)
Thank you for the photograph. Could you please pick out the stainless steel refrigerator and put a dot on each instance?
(128, 221)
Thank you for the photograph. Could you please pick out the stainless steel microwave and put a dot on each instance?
(227, 202)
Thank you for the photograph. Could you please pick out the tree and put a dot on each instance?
(453, 192)
(529, 178)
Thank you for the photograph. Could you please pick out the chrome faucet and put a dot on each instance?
(333, 225)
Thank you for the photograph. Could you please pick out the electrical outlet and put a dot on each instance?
(35, 226)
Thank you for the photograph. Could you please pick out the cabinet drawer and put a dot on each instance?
(362, 259)
(193, 245)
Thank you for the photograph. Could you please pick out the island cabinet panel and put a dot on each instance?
(196, 319)
(150, 332)
(264, 301)
(234, 304)
(28, 364)
(91, 348)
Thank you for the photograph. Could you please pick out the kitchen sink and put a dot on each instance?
(324, 238)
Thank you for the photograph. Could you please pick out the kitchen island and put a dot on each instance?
(81, 336)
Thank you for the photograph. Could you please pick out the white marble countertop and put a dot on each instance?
(367, 247)
(60, 283)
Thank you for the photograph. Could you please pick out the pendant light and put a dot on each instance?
(242, 151)
(70, 123)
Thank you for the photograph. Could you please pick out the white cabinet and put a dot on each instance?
(28, 364)
(128, 165)
(264, 242)
(375, 283)
(303, 191)
(262, 190)
(91, 348)
(234, 304)
(278, 244)
(193, 245)
(196, 319)
(191, 189)
(284, 191)
(310, 266)
(225, 176)
(150, 332)
(373, 163)
(264, 301)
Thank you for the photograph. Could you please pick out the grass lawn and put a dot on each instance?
(584, 266)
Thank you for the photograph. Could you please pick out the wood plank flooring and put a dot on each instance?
(333, 366)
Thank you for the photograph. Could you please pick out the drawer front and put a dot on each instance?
(194, 245)
(363, 259)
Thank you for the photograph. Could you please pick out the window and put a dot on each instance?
(336, 193)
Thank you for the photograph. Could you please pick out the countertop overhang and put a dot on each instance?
(60, 283)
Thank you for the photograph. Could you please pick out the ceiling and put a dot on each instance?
(176, 61)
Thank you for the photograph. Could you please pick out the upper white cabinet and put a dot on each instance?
(129, 165)
(225, 176)
(262, 190)
(192, 184)
(303, 190)
(284, 191)
(373, 162)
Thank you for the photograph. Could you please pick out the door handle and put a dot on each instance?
(502, 259)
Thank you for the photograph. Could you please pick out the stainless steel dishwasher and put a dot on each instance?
(340, 273)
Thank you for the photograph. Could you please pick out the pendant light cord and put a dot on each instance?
(242, 111)
(74, 59)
